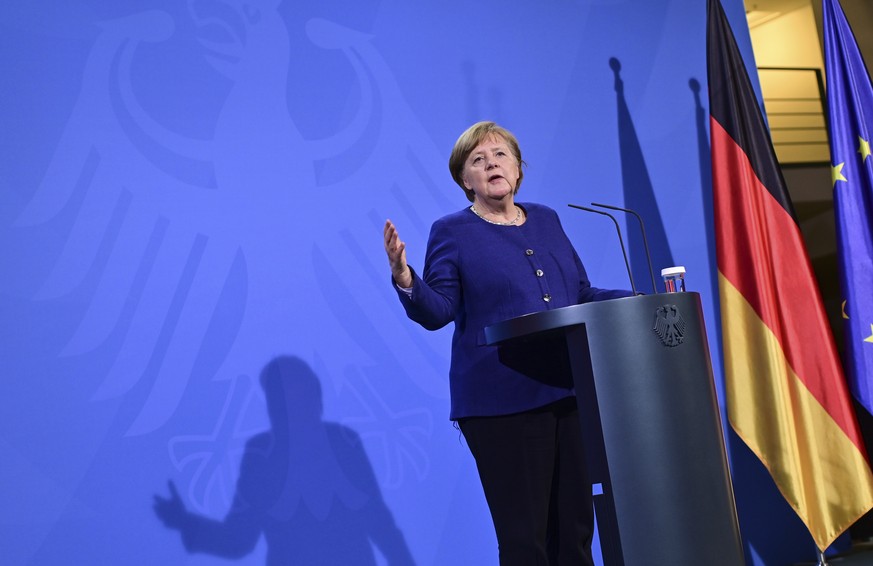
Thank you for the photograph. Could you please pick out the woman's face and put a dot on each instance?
(491, 170)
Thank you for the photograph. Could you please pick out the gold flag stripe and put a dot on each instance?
(818, 469)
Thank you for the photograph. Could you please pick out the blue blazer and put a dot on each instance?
(477, 274)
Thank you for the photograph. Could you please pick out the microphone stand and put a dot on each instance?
(645, 240)
(620, 241)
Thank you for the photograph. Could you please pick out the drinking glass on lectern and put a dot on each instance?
(674, 278)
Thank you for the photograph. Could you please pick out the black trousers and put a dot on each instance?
(532, 469)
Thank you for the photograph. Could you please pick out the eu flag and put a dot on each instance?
(850, 109)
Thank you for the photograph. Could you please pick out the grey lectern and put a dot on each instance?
(650, 418)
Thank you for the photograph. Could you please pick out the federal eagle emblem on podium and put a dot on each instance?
(669, 325)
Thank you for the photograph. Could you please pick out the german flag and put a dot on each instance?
(786, 394)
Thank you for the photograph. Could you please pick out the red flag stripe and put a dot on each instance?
(760, 252)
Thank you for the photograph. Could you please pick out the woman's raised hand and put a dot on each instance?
(396, 250)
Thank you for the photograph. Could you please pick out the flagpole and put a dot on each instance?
(822, 561)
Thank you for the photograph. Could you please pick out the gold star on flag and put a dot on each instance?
(837, 173)
(870, 338)
(863, 148)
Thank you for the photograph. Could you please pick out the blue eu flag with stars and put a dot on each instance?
(850, 110)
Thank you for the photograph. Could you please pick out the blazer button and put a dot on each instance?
(539, 272)
(528, 252)
(547, 297)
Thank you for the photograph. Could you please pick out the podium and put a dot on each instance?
(650, 419)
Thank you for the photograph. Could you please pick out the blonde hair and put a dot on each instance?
(469, 140)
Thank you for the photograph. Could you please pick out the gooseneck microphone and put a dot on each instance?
(645, 240)
(620, 241)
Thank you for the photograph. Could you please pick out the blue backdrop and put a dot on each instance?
(192, 201)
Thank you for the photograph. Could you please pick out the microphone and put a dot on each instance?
(645, 240)
(620, 241)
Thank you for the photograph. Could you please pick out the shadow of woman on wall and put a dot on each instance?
(305, 484)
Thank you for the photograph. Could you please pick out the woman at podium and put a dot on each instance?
(490, 261)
